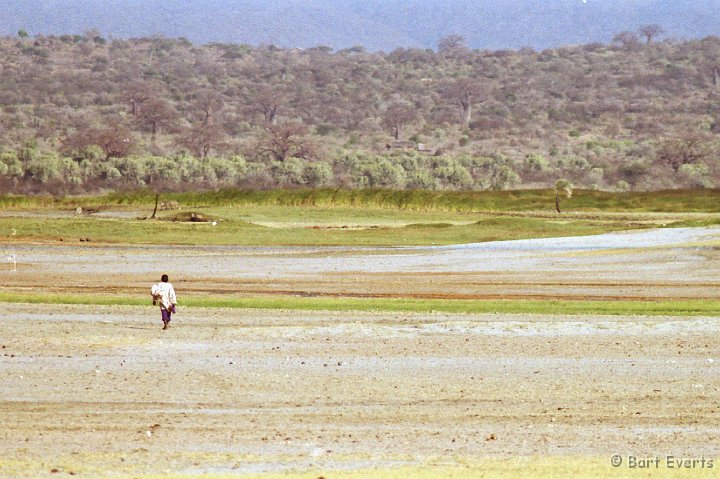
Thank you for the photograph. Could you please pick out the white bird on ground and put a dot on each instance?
(11, 258)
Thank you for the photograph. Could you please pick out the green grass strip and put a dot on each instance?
(661, 307)
(699, 200)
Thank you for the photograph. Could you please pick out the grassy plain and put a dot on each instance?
(706, 200)
(456, 306)
(340, 217)
(238, 232)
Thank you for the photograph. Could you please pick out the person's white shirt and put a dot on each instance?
(166, 293)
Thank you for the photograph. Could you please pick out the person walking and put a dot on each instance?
(163, 293)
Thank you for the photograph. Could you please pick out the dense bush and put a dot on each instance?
(83, 114)
(30, 170)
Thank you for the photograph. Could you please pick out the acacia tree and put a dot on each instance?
(650, 32)
(155, 113)
(286, 140)
(684, 149)
(268, 101)
(200, 139)
(115, 140)
(397, 115)
(627, 40)
(208, 103)
(463, 92)
(451, 44)
(138, 92)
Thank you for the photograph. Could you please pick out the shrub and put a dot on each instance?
(189, 167)
(113, 174)
(132, 170)
(574, 163)
(44, 169)
(504, 178)
(224, 171)
(596, 175)
(633, 171)
(695, 175)
(383, 174)
(317, 174)
(161, 170)
(536, 162)
(288, 172)
(451, 173)
(421, 180)
(207, 174)
(410, 161)
(11, 165)
(91, 153)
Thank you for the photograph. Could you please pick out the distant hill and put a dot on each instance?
(374, 24)
(80, 113)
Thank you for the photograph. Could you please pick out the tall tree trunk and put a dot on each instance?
(271, 116)
(467, 114)
(157, 198)
(557, 203)
(153, 131)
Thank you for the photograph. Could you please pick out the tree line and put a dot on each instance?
(82, 112)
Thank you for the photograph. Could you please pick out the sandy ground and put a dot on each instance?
(89, 389)
(103, 391)
(661, 263)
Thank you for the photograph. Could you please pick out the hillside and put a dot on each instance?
(81, 112)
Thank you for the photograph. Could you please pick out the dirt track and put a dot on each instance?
(101, 390)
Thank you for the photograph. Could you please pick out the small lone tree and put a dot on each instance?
(157, 198)
(627, 40)
(685, 148)
(562, 186)
(155, 113)
(286, 140)
(397, 115)
(201, 139)
(463, 92)
(650, 32)
(451, 44)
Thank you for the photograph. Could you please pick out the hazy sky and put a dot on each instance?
(376, 24)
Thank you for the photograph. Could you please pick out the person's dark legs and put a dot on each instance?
(165, 317)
